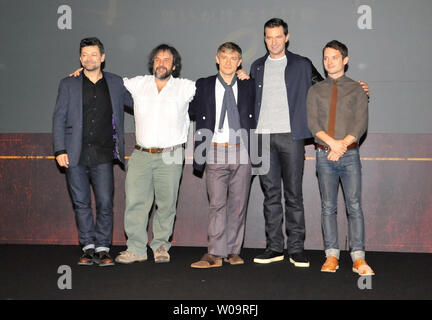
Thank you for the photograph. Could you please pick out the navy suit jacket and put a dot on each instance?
(300, 74)
(202, 109)
(68, 115)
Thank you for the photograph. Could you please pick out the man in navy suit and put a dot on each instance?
(88, 135)
(223, 108)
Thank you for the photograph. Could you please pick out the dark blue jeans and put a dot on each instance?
(79, 178)
(286, 165)
(348, 171)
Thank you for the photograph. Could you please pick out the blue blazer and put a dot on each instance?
(68, 115)
(202, 109)
(300, 74)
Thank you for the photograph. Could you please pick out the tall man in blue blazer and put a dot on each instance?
(223, 108)
(88, 135)
(282, 80)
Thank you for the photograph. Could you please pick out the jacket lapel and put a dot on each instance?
(111, 88)
(77, 90)
(240, 94)
(211, 102)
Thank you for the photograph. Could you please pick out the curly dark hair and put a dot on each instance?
(176, 58)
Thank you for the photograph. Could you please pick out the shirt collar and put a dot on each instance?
(87, 79)
(168, 84)
(340, 79)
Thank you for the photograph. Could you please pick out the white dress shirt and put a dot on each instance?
(161, 118)
(223, 135)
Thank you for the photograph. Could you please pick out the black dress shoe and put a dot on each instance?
(299, 260)
(103, 259)
(269, 256)
(87, 258)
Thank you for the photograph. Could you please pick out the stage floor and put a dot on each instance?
(35, 271)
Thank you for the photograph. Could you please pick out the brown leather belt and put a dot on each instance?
(157, 150)
(325, 148)
(225, 144)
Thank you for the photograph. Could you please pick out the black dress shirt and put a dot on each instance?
(98, 132)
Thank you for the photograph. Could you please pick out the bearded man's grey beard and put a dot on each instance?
(163, 76)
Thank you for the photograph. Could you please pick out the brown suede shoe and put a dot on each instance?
(362, 268)
(330, 265)
(161, 255)
(208, 261)
(234, 259)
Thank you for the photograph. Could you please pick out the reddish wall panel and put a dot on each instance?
(397, 197)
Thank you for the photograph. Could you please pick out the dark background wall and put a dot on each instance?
(392, 56)
(389, 43)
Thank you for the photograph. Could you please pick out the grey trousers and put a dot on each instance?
(228, 185)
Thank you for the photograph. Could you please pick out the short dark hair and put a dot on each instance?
(176, 58)
(92, 41)
(230, 46)
(337, 45)
(276, 22)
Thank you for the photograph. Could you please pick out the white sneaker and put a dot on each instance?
(127, 257)
(161, 255)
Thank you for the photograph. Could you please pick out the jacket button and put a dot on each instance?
(259, 86)
(250, 116)
(204, 117)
